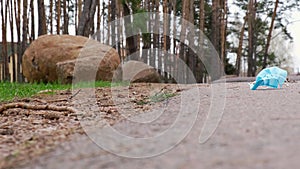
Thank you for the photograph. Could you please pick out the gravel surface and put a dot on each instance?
(259, 129)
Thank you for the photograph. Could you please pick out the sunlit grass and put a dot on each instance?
(9, 91)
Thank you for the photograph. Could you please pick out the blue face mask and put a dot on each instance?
(271, 77)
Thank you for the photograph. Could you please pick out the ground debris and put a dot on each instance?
(32, 126)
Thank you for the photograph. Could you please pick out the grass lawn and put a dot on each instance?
(9, 91)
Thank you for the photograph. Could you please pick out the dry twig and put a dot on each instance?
(36, 107)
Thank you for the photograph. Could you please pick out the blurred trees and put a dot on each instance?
(246, 31)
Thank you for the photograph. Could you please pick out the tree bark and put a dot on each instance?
(98, 15)
(199, 72)
(87, 18)
(223, 31)
(112, 23)
(79, 10)
(17, 10)
(51, 16)
(191, 56)
(66, 18)
(58, 13)
(240, 47)
(32, 36)
(270, 34)
(216, 25)
(131, 42)
(155, 35)
(5, 72)
(13, 52)
(25, 26)
(42, 18)
(182, 52)
(251, 20)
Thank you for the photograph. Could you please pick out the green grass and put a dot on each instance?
(159, 97)
(9, 91)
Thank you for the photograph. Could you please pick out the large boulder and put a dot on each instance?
(138, 72)
(52, 58)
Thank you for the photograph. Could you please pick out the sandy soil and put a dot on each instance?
(26, 134)
(259, 129)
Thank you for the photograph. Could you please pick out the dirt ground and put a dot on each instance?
(26, 134)
(259, 129)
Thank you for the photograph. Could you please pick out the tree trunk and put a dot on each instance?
(32, 36)
(79, 10)
(251, 20)
(155, 35)
(183, 37)
(51, 16)
(87, 18)
(216, 25)
(108, 23)
(240, 47)
(17, 10)
(5, 72)
(25, 26)
(58, 13)
(119, 30)
(66, 18)
(223, 31)
(166, 36)
(145, 36)
(13, 52)
(166, 24)
(112, 19)
(190, 37)
(199, 66)
(98, 16)
(270, 34)
(42, 18)
(131, 42)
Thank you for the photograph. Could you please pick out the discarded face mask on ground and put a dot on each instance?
(269, 77)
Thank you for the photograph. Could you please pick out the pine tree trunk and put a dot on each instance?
(216, 25)
(17, 10)
(66, 18)
(25, 26)
(131, 42)
(270, 34)
(32, 36)
(191, 56)
(108, 23)
(51, 16)
(199, 66)
(155, 35)
(58, 13)
(183, 37)
(240, 48)
(251, 20)
(13, 52)
(223, 31)
(86, 21)
(98, 16)
(112, 21)
(5, 72)
(42, 18)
